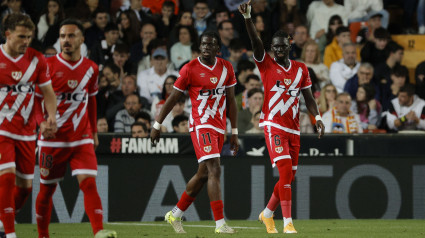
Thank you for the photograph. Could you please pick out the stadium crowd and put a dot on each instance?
(358, 80)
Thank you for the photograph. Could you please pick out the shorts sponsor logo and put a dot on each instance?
(213, 80)
(16, 75)
(72, 83)
(287, 81)
(279, 149)
(45, 172)
(207, 149)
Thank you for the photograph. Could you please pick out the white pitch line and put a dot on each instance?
(150, 224)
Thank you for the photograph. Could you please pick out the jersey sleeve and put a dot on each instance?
(306, 80)
(43, 72)
(93, 86)
(262, 63)
(183, 80)
(231, 80)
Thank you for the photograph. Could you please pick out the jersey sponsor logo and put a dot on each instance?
(16, 75)
(279, 149)
(213, 80)
(17, 88)
(77, 97)
(207, 148)
(287, 81)
(213, 91)
(72, 83)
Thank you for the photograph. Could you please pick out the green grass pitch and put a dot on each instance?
(305, 228)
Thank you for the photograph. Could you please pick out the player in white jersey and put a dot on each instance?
(283, 80)
(21, 69)
(74, 79)
(210, 82)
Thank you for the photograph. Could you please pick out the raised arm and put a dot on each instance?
(312, 108)
(257, 44)
(166, 108)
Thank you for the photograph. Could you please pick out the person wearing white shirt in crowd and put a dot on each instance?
(318, 15)
(362, 10)
(345, 68)
(181, 51)
(150, 81)
(407, 110)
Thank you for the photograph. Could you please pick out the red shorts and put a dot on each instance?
(19, 154)
(53, 162)
(282, 145)
(207, 143)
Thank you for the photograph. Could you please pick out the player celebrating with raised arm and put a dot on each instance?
(210, 82)
(74, 80)
(21, 69)
(283, 79)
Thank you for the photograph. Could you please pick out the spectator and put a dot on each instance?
(184, 19)
(367, 33)
(139, 130)
(333, 52)
(49, 21)
(220, 14)
(262, 31)
(102, 125)
(244, 68)
(299, 39)
(255, 121)
(129, 27)
(344, 68)
(49, 51)
(311, 57)
(420, 79)
(144, 117)
(334, 23)
(305, 124)
(143, 13)
(341, 119)
(146, 63)
(166, 20)
(178, 109)
(368, 108)
(180, 124)
(286, 16)
(120, 58)
(225, 30)
(252, 81)
(103, 50)
(95, 32)
(407, 111)
(85, 11)
(112, 73)
(181, 51)
(140, 49)
(327, 98)
(201, 13)
(125, 117)
(363, 76)
(255, 101)
(375, 52)
(156, 5)
(420, 15)
(13, 6)
(382, 71)
(158, 102)
(318, 15)
(151, 80)
(362, 10)
(390, 91)
(237, 50)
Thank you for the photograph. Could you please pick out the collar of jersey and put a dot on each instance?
(71, 67)
(14, 60)
(286, 70)
(206, 66)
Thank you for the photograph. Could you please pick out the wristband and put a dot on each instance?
(156, 126)
(403, 119)
(318, 118)
(234, 131)
(247, 14)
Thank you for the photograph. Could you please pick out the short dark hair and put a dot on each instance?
(99, 10)
(400, 71)
(134, 94)
(245, 65)
(253, 91)
(200, 1)
(212, 34)
(281, 33)
(111, 27)
(236, 44)
(113, 67)
(381, 33)
(71, 21)
(121, 48)
(13, 20)
(179, 118)
(409, 89)
(342, 29)
(143, 115)
(169, 4)
(139, 123)
(220, 25)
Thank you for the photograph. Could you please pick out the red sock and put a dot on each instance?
(7, 210)
(43, 208)
(92, 203)
(185, 201)
(274, 199)
(285, 177)
(21, 195)
(217, 208)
